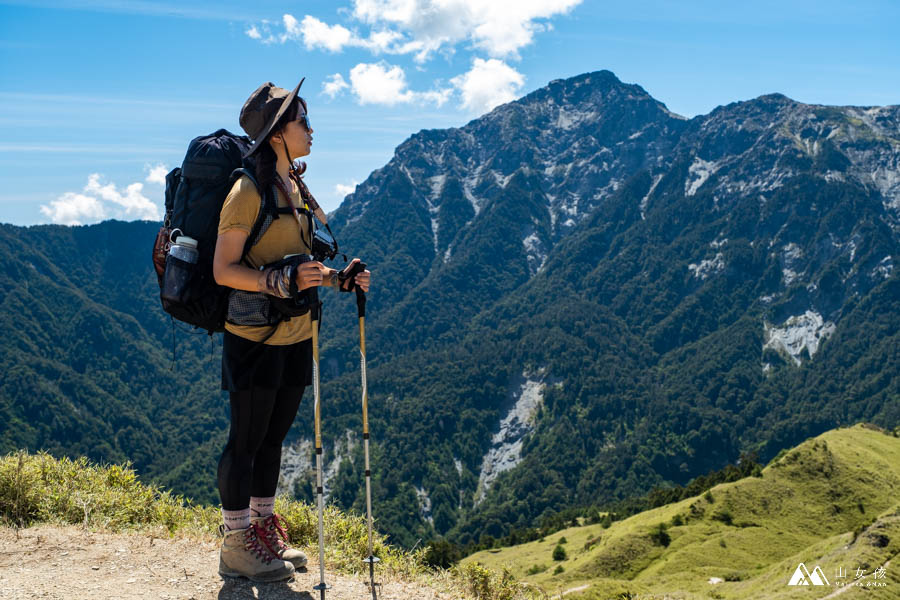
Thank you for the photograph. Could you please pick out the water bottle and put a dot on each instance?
(180, 266)
(185, 248)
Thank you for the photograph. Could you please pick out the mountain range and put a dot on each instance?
(577, 297)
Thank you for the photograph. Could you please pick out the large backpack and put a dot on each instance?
(195, 193)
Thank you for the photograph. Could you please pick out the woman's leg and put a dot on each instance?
(267, 461)
(244, 552)
(266, 469)
(251, 412)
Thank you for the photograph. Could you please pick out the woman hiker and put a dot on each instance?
(265, 369)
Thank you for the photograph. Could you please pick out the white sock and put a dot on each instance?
(262, 507)
(236, 519)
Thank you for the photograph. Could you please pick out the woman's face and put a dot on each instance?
(296, 135)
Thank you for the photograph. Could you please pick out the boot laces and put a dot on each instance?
(273, 534)
(252, 543)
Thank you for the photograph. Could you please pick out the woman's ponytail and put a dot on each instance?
(266, 160)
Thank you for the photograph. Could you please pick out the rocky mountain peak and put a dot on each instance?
(576, 140)
(756, 145)
(530, 173)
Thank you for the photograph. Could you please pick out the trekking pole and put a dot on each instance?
(320, 492)
(361, 309)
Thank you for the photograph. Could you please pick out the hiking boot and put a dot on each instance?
(276, 539)
(244, 554)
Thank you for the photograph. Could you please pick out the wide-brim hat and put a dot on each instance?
(263, 109)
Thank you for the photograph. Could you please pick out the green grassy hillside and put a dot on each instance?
(833, 501)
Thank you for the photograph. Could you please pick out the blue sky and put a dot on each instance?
(98, 98)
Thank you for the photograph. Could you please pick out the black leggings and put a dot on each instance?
(251, 462)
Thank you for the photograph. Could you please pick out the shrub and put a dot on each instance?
(660, 535)
(484, 584)
(724, 516)
(40, 488)
(442, 554)
(677, 520)
(559, 553)
(559, 569)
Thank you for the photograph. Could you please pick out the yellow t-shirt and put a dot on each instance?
(284, 236)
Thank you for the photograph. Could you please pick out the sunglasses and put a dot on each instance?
(304, 120)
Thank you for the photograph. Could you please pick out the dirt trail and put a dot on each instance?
(68, 563)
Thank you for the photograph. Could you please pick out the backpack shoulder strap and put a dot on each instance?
(267, 211)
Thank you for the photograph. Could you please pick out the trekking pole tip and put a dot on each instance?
(321, 587)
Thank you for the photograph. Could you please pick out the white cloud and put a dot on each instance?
(157, 173)
(133, 204)
(314, 33)
(342, 189)
(500, 27)
(317, 34)
(487, 84)
(384, 41)
(101, 201)
(291, 28)
(263, 31)
(334, 85)
(436, 97)
(74, 209)
(381, 83)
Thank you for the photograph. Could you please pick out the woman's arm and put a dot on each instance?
(228, 270)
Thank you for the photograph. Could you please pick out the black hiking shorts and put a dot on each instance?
(247, 364)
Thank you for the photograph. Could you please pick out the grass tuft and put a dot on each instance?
(484, 584)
